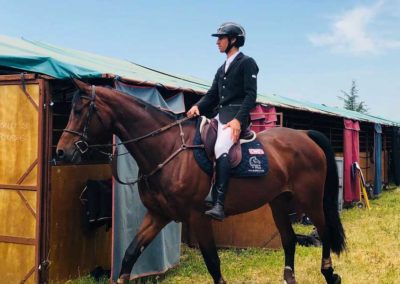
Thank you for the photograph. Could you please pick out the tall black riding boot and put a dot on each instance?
(223, 167)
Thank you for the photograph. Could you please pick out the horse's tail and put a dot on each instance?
(334, 226)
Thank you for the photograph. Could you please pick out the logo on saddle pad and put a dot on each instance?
(256, 151)
(255, 164)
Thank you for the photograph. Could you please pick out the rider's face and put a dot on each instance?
(222, 43)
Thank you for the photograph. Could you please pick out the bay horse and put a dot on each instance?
(302, 169)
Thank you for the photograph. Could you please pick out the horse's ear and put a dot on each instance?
(81, 85)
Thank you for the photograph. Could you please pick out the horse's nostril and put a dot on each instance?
(60, 153)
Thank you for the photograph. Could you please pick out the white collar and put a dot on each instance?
(230, 59)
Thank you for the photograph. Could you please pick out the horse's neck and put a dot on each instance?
(135, 121)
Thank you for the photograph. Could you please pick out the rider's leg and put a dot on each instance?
(223, 144)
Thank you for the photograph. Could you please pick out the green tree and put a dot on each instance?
(350, 100)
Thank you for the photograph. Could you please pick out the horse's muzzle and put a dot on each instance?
(60, 154)
(68, 156)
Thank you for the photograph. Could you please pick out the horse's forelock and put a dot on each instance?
(77, 96)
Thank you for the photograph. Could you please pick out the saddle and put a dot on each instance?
(208, 133)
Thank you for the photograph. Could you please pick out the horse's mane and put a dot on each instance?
(146, 105)
(142, 103)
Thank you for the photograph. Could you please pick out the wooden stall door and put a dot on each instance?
(19, 182)
(73, 251)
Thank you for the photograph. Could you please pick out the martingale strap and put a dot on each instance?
(145, 177)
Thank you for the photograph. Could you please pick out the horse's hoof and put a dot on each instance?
(288, 276)
(222, 281)
(336, 279)
(123, 279)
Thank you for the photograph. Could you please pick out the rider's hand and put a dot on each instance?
(235, 125)
(193, 111)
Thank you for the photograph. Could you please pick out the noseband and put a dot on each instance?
(82, 144)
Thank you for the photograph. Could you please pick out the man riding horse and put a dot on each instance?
(301, 163)
(233, 93)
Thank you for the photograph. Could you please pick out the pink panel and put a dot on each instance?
(263, 117)
(351, 154)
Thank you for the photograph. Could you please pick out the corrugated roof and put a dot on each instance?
(58, 62)
(285, 102)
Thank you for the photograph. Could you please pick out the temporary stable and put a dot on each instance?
(42, 233)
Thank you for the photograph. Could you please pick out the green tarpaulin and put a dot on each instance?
(38, 57)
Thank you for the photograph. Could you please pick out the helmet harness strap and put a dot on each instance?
(230, 45)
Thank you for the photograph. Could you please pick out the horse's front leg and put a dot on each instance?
(151, 225)
(201, 225)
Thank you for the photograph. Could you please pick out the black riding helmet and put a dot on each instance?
(232, 30)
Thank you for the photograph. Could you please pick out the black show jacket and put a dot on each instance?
(233, 93)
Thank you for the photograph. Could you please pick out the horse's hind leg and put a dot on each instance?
(280, 213)
(318, 219)
(151, 225)
(201, 225)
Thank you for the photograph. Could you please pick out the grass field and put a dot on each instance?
(373, 255)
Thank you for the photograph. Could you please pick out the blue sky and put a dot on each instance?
(305, 49)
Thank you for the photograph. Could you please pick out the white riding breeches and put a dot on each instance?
(224, 140)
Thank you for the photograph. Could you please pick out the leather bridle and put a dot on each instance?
(82, 144)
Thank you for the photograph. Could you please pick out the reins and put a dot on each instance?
(151, 134)
(183, 147)
(83, 146)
